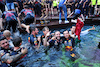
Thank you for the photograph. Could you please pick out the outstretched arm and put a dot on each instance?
(9, 59)
(82, 17)
(19, 22)
(26, 26)
(93, 28)
(70, 15)
(46, 43)
(1, 25)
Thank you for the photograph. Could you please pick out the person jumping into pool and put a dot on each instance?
(77, 12)
(29, 16)
(12, 19)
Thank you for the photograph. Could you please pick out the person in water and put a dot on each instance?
(33, 39)
(7, 34)
(5, 51)
(68, 41)
(54, 41)
(45, 31)
(17, 41)
(73, 35)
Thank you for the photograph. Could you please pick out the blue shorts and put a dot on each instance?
(10, 6)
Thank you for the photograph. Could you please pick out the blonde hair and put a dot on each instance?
(7, 33)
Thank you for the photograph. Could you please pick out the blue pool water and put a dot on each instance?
(88, 53)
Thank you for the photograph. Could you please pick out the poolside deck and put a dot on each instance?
(54, 22)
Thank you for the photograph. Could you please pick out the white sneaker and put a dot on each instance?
(86, 17)
(66, 21)
(74, 21)
(60, 21)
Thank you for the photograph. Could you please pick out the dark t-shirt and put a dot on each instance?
(68, 41)
(9, 1)
(43, 37)
(33, 40)
(9, 15)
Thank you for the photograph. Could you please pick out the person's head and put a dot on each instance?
(81, 1)
(57, 34)
(66, 34)
(45, 30)
(73, 29)
(99, 45)
(4, 42)
(7, 33)
(33, 30)
(17, 41)
(26, 6)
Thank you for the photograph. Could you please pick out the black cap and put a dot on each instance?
(99, 45)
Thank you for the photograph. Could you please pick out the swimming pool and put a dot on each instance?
(89, 54)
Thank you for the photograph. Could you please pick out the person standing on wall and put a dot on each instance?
(62, 6)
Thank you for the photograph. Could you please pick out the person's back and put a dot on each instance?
(17, 41)
(11, 18)
(9, 15)
(29, 16)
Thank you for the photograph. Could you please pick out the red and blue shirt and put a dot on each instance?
(9, 15)
(27, 12)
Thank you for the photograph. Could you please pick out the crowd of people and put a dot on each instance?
(12, 17)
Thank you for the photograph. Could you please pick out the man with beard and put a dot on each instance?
(33, 39)
(5, 51)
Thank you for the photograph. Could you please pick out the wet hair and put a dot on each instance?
(99, 45)
(45, 28)
(2, 38)
(65, 30)
(32, 29)
(73, 26)
(7, 33)
(17, 41)
(56, 31)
